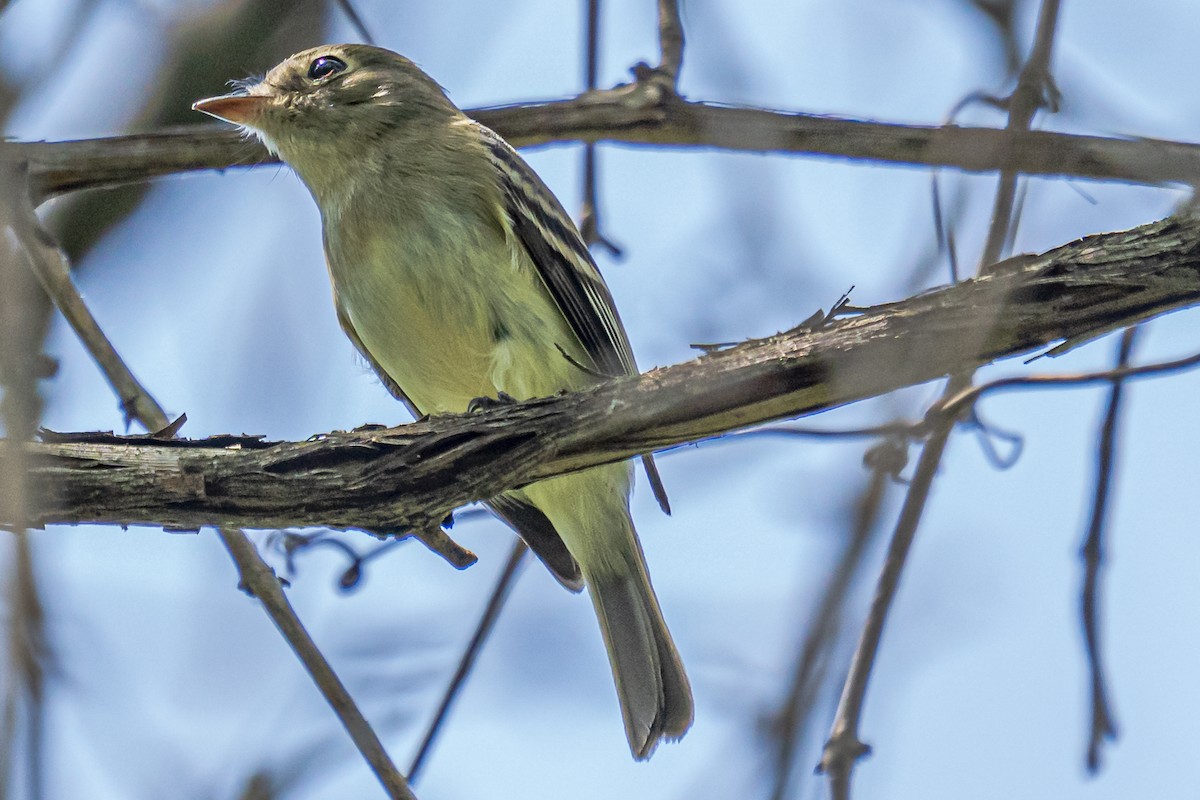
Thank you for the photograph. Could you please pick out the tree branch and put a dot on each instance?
(259, 580)
(408, 478)
(1103, 724)
(670, 40)
(641, 113)
(844, 747)
(53, 270)
(466, 663)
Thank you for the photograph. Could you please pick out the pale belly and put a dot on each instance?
(451, 329)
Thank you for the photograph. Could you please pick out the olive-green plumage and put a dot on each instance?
(458, 275)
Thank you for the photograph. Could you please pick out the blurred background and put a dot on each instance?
(162, 680)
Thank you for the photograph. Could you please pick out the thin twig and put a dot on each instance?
(1103, 725)
(483, 629)
(1033, 87)
(356, 21)
(589, 217)
(49, 263)
(955, 405)
(588, 226)
(260, 581)
(31, 657)
(844, 747)
(20, 410)
(903, 429)
(670, 40)
(812, 664)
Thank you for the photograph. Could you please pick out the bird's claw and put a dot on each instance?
(486, 403)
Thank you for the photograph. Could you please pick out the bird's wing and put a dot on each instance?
(562, 260)
(536, 529)
(566, 267)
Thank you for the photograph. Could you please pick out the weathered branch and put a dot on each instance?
(642, 113)
(409, 478)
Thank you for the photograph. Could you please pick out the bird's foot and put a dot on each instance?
(486, 403)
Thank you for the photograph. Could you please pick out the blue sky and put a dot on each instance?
(174, 683)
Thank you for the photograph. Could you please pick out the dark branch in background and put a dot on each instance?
(589, 218)
(1103, 726)
(641, 113)
(1035, 90)
(845, 747)
(356, 21)
(483, 629)
(956, 405)
(258, 579)
(49, 263)
(812, 666)
(26, 651)
(259, 32)
(406, 479)
(31, 660)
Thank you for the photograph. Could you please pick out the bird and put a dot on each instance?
(460, 278)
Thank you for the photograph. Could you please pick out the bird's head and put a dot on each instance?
(324, 108)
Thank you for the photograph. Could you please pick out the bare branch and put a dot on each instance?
(487, 621)
(49, 263)
(813, 661)
(259, 580)
(27, 653)
(1103, 725)
(954, 406)
(589, 217)
(356, 21)
(1033, 87)
(408, 478)
(30, 660)
(670, 41)
(844, 747)
(636, 114)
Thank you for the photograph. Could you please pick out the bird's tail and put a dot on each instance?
(656, 698)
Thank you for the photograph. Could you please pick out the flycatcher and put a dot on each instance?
(458, 275)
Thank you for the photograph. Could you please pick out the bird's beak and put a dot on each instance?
(240, 109)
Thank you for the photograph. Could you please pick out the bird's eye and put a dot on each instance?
(325, 66)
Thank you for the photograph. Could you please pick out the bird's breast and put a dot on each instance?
(449, 310)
